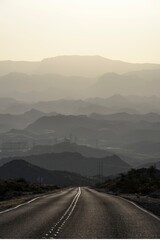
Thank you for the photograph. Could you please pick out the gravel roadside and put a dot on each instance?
(149, 203)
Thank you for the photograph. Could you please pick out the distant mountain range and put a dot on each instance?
(88, 66)
(22, 169)
(120, 133)
(93, 101)
(123, 116)
(153, 162)
(145, 147)
(75, 162)
(43, 87)
(145, 82)
(117, 107)
(142, 148)
(76, 77)
(86, 151)
(130, 104)
(11, 121)
(83, 127)
(90, 128)
(63, 123)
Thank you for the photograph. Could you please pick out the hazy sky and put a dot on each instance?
(119, 29)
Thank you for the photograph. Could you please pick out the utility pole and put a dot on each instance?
(101, 170)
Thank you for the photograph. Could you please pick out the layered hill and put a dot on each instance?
(90, 66)
(69, 122)
(144, 82)
(154, 162)
(133, 105)
(19, 121)
(69, 147)
(75, 162)
(123, 116)
(22, 169)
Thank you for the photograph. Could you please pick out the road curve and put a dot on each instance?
(78, 213)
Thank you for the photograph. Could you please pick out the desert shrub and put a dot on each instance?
(16, 187)
(141, 181)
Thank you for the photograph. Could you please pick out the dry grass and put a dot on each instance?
(13, 202)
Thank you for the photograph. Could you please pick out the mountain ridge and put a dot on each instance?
(75, 162)
(88, 66)
(22, 169)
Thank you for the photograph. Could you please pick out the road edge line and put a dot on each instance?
(25, 203)
(133, 203)
(141, 208)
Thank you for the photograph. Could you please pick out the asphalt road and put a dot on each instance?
(78, 213)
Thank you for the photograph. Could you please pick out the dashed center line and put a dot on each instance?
(57, 228)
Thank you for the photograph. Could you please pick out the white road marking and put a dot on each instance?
(13, 208)
(59, 225)
(26, 203)
(141, 208)
(136, 205)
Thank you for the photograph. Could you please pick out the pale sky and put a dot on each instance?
(127, 30)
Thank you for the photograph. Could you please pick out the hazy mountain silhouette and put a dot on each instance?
(115, 104)
(33, 114)
(49, 87)
(153, 162)
(6, 103)
(87, 106)
(150, 117)
(69, 147)
(143, 134)
(44, 87)
(75, 162)
(99, 102)
(89, 66)
(132, 104)
(81, 126)
(116, 132)
(145, 147)
(61, 123)
(92, 108)
(63, 106)
(10, 121)
(22, 169)
(70, 122)
(138, 82)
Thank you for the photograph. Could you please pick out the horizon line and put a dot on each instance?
(77, 55)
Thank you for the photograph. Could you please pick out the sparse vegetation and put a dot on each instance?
(142, 181)
(12, 188)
